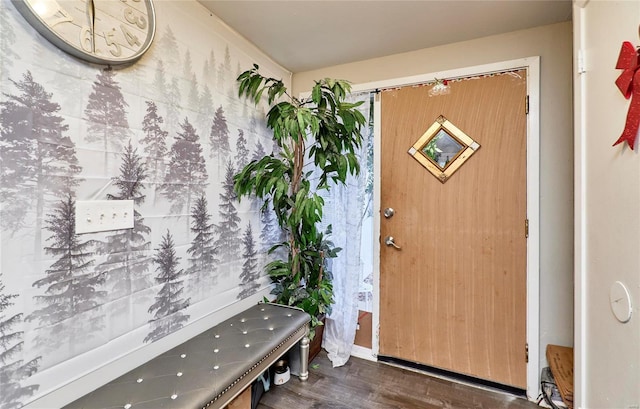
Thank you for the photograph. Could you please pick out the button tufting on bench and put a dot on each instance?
(241, 353)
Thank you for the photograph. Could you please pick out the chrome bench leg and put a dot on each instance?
(304, 358)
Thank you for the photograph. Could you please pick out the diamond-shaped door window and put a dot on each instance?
(443, 148)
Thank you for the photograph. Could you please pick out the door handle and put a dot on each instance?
(389, 212)
(389, 241)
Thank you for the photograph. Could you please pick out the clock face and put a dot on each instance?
(98, 31)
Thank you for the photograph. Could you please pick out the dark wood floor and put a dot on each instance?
(362, 384)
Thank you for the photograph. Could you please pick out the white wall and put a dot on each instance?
(553, 44)
(607, 200)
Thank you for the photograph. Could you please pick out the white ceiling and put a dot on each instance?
(303, 35)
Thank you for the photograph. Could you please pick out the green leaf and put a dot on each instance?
(302, 125)
(316, 94)
(354, 166)
(342, 168)
(259, 95)
(254, 84)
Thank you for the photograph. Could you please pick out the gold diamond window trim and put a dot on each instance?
(443, 148)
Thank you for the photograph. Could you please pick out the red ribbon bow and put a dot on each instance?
(629, 84)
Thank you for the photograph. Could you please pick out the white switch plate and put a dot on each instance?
(103, 215)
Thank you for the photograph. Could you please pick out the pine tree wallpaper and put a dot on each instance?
(168, 133)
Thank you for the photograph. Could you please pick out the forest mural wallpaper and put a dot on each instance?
(168, 133)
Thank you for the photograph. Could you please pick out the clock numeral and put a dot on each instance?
(115, 49)
(86, 39)
(60, 16)
(131, 18)
(131, 38)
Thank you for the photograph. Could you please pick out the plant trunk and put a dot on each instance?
(298, 163)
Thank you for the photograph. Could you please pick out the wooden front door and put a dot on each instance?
(454, 295)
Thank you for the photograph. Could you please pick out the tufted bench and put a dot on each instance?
(211, 369)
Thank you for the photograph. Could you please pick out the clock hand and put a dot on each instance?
(92, 17)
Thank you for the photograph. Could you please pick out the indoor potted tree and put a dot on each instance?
(325, 129)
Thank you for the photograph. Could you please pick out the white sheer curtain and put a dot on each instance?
(345, 209)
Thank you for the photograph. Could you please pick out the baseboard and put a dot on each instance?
(363, 353)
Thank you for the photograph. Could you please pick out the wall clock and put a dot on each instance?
(620, 302)
(99, 31)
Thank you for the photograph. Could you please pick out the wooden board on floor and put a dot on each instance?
(561, 363)
(242, 401)
(363, 334)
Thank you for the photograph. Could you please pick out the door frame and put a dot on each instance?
(532, 67)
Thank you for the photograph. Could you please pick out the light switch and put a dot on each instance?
(103, 215)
